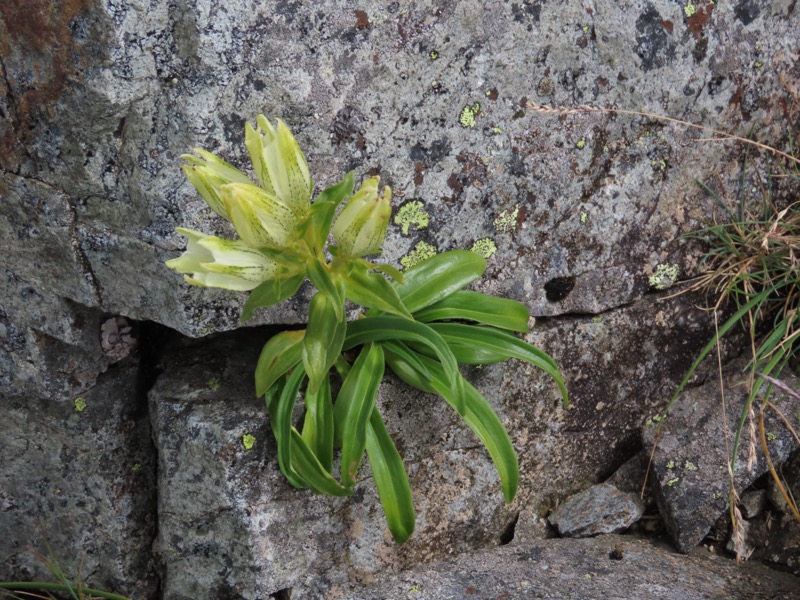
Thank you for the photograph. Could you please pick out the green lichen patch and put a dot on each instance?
(689, 9)
(412, 213)
(672, 482)
(584, 217)
(434, 54)
(248, 441)
(485, 247)
(213, 384)
(663, 277)
(79, 404)
(417, 254)
(469, 114)
(581, 144)
(507, 220)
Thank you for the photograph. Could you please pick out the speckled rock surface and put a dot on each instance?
(78, 487)
(102, 97)
(599, 509)
(689, 471)
(583, 214)
(598, 568)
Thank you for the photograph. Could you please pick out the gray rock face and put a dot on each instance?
(78, 487)
(99, 98)
(599, 509)
(689, 470)
(103, 97)
(595, 568)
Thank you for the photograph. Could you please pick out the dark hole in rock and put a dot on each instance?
(284, 594)
(508, 534)
(558, 288)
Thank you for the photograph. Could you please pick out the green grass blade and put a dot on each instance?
(58, 587)
(282, 352)
(382, 328)
(314, 475)
(280, 406)
(469, 342)
(353, 407)
(733, 320)
(482, 308)
(318, 424)
(439, 276)
(328, 285)
(391, 479)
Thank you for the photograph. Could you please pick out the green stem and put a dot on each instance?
(57, 587)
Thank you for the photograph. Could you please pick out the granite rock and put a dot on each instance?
(602, 508)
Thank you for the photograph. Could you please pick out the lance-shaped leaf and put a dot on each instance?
(314, 474)
(318, 226)
(318, 424)
(373, 291)
(479, 416)
(282, 352)
(482, 308)
(483, 345)
(280, 403)
(271, 292)
(382, 328)
(391, 479)
(329, 285)
(354, 405)
(439, 276)
(322, 343)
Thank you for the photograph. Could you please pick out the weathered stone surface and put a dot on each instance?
(599, 509)
(583, 569)
(78, 486)
(689, 470)
(102, 97)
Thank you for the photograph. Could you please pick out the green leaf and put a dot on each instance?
(471, 344)
(324, 208)
(373, 291)
(407, 370)
(383, 328)
(354, 405)
(384, 268)
(329, 286)
(408, 355)
(476, 306)
(439, 276)
(318, 424)
(282, 352)
(391, 479)
(280, 404)
(313, 472)
(271, 292)
(322, 343)
(481, 418)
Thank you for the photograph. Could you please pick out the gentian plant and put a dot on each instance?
(421, 324)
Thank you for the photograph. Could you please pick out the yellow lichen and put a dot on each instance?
(507, 220)
(80, 404)
(248, 441)
(468, 114)
(412, 213)
(485, 247)
(419, 253)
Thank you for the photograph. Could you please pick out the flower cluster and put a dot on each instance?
(274, 219)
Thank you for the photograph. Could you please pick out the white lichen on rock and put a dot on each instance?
(664, 276)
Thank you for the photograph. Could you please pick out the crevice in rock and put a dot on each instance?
(508, 533)
(284, 594)
(80, 256)
(152, 339)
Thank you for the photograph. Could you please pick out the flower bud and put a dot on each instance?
(208, 173)
(210, 261)
(361, 226)
(260, 219)
(279, 164)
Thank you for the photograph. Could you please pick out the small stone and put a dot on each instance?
(601, 508)
(752, 503)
